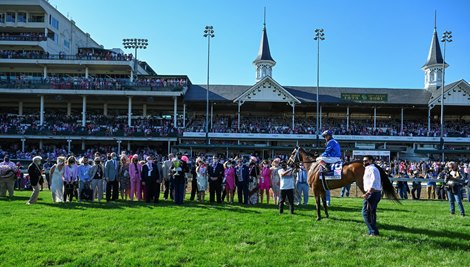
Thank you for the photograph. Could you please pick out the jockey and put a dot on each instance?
(332, 152)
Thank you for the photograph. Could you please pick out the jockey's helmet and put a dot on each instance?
(326, 133)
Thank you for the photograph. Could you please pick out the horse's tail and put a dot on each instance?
(387, 186)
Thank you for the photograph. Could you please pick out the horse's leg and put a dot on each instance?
(323, 198)
(318, 207)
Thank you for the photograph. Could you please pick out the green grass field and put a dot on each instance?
(417, 233)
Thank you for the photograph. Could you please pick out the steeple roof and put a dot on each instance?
(435, 55)
(264, 52)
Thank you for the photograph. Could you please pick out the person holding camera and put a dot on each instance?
(454, 181)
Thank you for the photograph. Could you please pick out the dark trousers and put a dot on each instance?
(179, 192)
(369, 212)
(69, 189)
(215, 190)
(114, 186)
(166, 184)
(345, 190)
(193, 189)
(153, 192)
(416, 192)
(242, 190)
(290, 196)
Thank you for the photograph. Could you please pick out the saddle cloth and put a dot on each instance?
(334, 171)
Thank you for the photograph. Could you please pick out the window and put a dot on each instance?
(53, 22)
(66, 43)
(2, 17)
(36, 17)
(21, 17)
(11, 17)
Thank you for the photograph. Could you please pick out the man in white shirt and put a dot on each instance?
(373, 188)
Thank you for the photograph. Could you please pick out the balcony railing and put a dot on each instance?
(23, 38)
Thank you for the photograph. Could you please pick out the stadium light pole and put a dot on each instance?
(135, 43)
(319, 36)
(208, 33)
(446, 38)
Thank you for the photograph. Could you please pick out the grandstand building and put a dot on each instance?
(59, 87)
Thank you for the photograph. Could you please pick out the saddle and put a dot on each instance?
(333, 171)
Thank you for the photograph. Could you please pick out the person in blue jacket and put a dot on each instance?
(332, 152)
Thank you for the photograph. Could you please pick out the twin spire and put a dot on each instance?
(264, 61)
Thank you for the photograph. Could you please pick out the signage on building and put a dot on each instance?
(364, 97)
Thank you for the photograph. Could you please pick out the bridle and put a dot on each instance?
(297, 158)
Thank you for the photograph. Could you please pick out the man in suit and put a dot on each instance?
(152, 175)
(167, 177)
(35, 174)
(179, 170)
(242, 175)
(216, 175)
(110, 174)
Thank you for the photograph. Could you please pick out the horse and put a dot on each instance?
(351, 172)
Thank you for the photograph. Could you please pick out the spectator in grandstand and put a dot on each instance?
(216, 175)
(264, 182)
(35, 173)
(373, 188)
(229, 177)
(84, 176)
(57, 180)
(135, 171)
(123, 177)
(110, 173)
(242, 176)
(454, 181)
(97, 176)
(275, 180)
(287, 187)
(332, 152)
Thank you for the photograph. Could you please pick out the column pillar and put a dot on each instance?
(84, 110)
(41, 144)
(212, 115)
(144, 110)
(44, 72)
(293, 116)
(129, 146)
(105, 109)
(22, 144)
(238, 116)
(41, 111)
(131, 79)
(129, 111)
(401, 120)
(429, 119)
(375, 118)
(83, 144)
(347, 118)
(184, 115)
(86, 72)
(69, 108)
(321, 121)
(20, 108)
(69, 141)
(175, 114)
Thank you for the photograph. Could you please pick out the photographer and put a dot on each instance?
(454, 182)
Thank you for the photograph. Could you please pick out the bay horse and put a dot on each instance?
(351, 172)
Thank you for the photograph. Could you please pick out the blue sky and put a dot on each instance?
(368, 43)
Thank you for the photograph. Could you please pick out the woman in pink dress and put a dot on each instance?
(264, 181)
(229, 175)
(135, 169)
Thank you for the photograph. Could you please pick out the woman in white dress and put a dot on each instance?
(57, 180)
(201, 171)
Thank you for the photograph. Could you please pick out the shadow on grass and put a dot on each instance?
(14, 198)
(358, 209)
(413, 231)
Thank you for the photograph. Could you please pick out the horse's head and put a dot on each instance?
(294, 156)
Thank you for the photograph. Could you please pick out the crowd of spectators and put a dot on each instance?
(90, 83)
(22, 36)
(283, 125)
(96, 125)
(105, 55)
